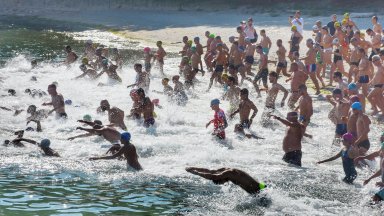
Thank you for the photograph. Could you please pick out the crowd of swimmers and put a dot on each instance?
(229, 64)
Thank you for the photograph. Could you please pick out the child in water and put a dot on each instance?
(219, 121)
(347, 154)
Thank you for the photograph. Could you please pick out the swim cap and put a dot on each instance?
(348, 137)
(356, 106)
(196, 39)
(346, 15)
(231, 39)
(190, 42)
(193, 49)
(293, 28)
(352, 86)
(224, 76)
(126, 136)
(33, 78)
(176, 77)
(362, 35)
(85, 61)
(68, 102)
(87, 117)
(104, 61)
(354, 99)
(147, 49)
(211, 36)
(83, 67)
(262, 185)
(45, 143)
(219, 45)
(337, 91)
(55, 83)
(185, 58)
(337, 24)
(215, 102)
(335, 41)
(315, 28)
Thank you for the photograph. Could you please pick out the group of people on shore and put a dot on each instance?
(230, 65)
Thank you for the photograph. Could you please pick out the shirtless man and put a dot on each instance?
(112, 73)
(271, 97)
(341, 112)
(377, 28)
(159, 56)
(178, 91)
(90, 123)
(108, 133)
(167, 89)
(89, 50)
(36, 116)
(244, 110)
(98, 63)
(364, 72)
(71, 56)
(200, 52)
(375, 97)
(115, 115)
(292, 139)
(263, 71)
(265, 42)
(238, 66)
(57, 102)
(310, 64)
(354, 61)
(195, 60)
(128, 150)
(221, 60)
(326, 42)
(305, 106)
(241, 39)
(146, 108)
(249, 52)
(375, 42)
(361, 128)
(141, 78)
(223, 175)
(91, 73)
(232, 95)
(208, 55)
(298, 78)
(282, 62)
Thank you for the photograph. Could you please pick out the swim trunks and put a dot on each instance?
(355, 63)
(303, 119)
(364, 144)
(311, 68)
(337, 58)
(341, 129)
(293, 157)
(378, 85)
(147, 66)
(244, 124)
(63, 115)
(364, 79)
(282, 64)
(380, 194)
(219, 68)
(249, 59)
(149, 122)
(349, 167)
(266, 50)
(263, 75)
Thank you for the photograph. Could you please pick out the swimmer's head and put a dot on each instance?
(52, 89)
(231, 39)
(97, 126)
(133, 93)
(6, 142)
(215, 103)
(244, 93)
(310, 43)
(68, 48)
(138, 67)
(292, 116)
(337, 76)
(196, 39)
(273, 76)
(324, 29)
(218, 38)
(315, 28)
(175, 78)
(337, 25)
(207, 33)
(293, 28)
(87, 117)
(224, 77)
(279, 42)
(231, 80)
(262, 32)
(98, 122)
(19, 133)
(346, 16)
(259, 49)
(185, 39)
(147, 49)
(294, 67)
(34, 63)
(376, 60)
(302, 89)
(159, 43)
(344, 22)
(33, 78)
(45, 143)
(185, 59)
(165, 81)
(99, 51)
(68, 102)
(262, 185)
(337, 92)
(83, 67)
(31, 109)
(212, 36)
(85, 61)
(104, 105)
(356, 107)
(88, 42)
(11, 92)
(352, 87)
(369, 32)
(239, 29)
(348, 137)
(125, 137)
(141, 92)
(104, 62)
(354, 98)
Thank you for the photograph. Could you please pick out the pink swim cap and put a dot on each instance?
(147, 49)
(348, 137)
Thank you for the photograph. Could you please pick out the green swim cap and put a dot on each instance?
(261, 185)
(87, 118)
(211, 36)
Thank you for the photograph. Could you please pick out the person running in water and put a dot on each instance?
(128, 150)
(219, 121)
(115, 115)
(292, 140)
(236, 176)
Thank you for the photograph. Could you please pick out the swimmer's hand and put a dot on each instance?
(360, 158)
(206, 126)
(79, 128)
(93, 158)
(380, 184)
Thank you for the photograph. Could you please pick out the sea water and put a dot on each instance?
(32, 184)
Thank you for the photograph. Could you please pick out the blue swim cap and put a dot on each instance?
(104, 61)
(352, 86)
(357, 106)
(337, 91)
(215, 102)
(196, 39)
(45, 143)
(126, 136)
(68, 102)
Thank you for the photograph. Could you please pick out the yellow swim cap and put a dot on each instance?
(190, 42)
(84, 61)
(337, 24)
(346, 15)
(293, 28)
(224, 76)
(362, 35)
(344, 21)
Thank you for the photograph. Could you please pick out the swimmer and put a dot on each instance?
(236, 176)
(347, 154)
(375, 97)
(221, 59)
(219, 121)
(90, 123)
(292, 140)
(17, 141)
(142, 78)
(362, 128)
(145, 107)
(91, 73)
(147, 59)
(178, 92)
(265, 42)
(341, 112)
(128, 150)
(71, 56)
(263, 71)
(232, 95)
(272, 93)
(44, 145)
(310, 64)
(167, 89)
(115, 115)
(57, 102)
(282, 62)
(200, 52)
(159, 56)
(305, 106)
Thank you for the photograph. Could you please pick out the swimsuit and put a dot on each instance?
(263, 75)
(265, 50)
(355, 63)
(311, 68)
(244, 124)
(149, 122)
(341, 129)
(364, 79)
(349, 167)
(293, 157)
(365, 144)
(374, 52)
(282, 64)
(379, 85)
(303, 119)
(63, 115)
(249, 59)
(295, 44)
(219, 123)
(337, 58)
(219, 68)
(147, 66)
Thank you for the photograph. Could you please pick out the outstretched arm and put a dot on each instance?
(331, 158)
(284, 121)
(28, 140)
(81, 135)
(117, 154)
(377, 174)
